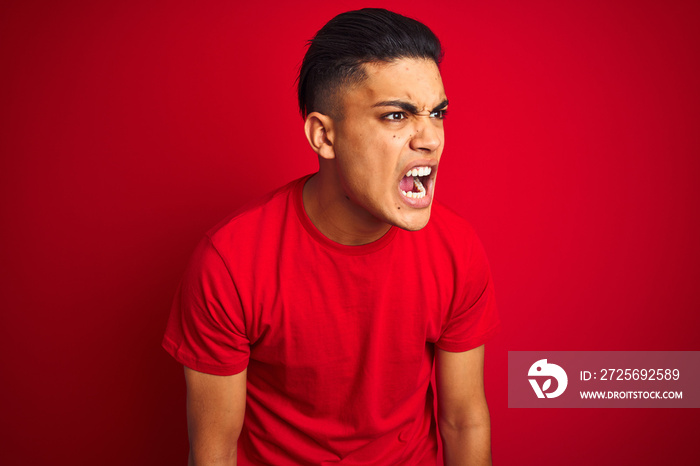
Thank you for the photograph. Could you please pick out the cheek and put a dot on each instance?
(369, 162)
(401, 136)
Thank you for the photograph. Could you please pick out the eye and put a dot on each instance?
(439, 114)
(396, 116)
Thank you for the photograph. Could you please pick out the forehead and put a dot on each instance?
(412, 80)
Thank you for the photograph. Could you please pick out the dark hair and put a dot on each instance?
(339, 50)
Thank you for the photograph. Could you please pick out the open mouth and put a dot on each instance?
(413, 185)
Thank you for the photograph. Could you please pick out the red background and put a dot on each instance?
(129, 128)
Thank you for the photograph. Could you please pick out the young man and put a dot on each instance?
(309, 323)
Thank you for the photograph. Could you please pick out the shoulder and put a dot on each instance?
(449, 224)
(442, 213)
(258, 218)
(448, 234)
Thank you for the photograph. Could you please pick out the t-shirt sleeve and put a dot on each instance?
(474, 317)
(206, 328)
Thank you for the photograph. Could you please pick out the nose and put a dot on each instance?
(429, 135)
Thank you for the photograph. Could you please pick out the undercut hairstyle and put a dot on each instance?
(339, 50)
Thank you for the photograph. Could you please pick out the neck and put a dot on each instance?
(336, 216)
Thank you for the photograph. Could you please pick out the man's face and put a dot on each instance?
(392, 124)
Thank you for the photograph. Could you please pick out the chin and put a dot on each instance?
(413, 222)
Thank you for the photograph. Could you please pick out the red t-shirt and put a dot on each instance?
(338, 340)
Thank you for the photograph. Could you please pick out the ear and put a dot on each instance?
(319, 132)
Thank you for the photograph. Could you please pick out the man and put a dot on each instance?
(310, 322)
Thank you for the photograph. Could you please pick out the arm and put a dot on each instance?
(463, 416)
(215, 409)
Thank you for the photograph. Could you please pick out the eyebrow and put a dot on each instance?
(409, 107)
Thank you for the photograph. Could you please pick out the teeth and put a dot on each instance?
(419, 171)
(412, 195)
(415, 173)
(421, 190)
